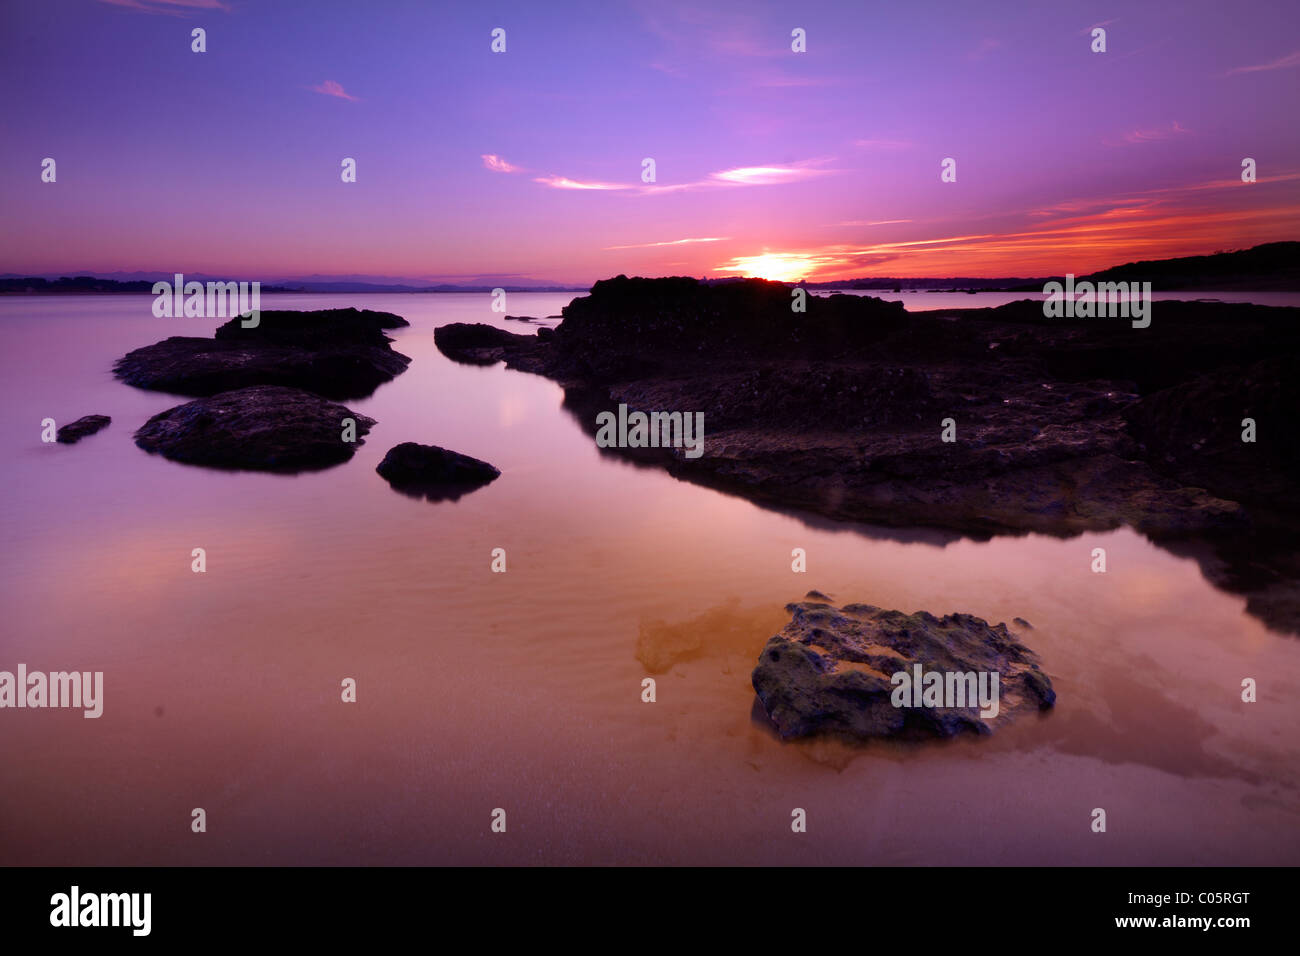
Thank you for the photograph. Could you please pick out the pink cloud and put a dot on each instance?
(986, 46)
(1281, 63)
(740, 176)
(498, 165)
(671, 242)
(1152, 135)
(332, 88)
(563, 182)
(769, 175)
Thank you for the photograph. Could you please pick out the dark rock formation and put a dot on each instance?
(1061, 425)
(477, 344)
(73, 432)
(337, 353)
(264, 428)
(829, 672)
(1193, 430)
(433, 473)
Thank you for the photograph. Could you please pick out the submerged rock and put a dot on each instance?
(337, 353)
(73, 432)
(264, 428)
(437, 474)
(830, 672)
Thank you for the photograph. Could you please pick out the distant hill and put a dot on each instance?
(35, 285)
(1274, 266)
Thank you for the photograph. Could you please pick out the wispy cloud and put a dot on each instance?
(671, 242)
(769, 175)
(1087, 31)
(1152, 135)
(877, 222)
(1281, 63)
(333, 88)
(1092, 234)
(775, 175)
(986, 46)
(498, 165)
(172, 7)
(563, 182)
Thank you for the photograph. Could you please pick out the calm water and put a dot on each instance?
(522, 690)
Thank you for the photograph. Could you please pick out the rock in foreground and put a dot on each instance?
(829, 672)
(266, 428)
(337, 353)
(73, 432)
(437, 474)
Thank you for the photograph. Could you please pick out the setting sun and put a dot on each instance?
(779, 267)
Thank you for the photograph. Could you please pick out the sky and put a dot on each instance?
(527, 164)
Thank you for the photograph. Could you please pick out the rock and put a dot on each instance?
(477, 344)
(263, 428)
(829, 672)
(336, 353)
(317, 329)
(1194, 430)
(520, 318)
(73, 432)
(433, 473)
(1068, 426)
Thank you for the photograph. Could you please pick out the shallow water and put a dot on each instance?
(522, 690)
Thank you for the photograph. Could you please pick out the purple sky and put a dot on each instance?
(528, 163)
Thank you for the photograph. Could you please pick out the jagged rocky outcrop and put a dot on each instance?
(433, 473)
(263, 428)
(831, 671)
(1061, 425)
(73, 432)
(336, 353)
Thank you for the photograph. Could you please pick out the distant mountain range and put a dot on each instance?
(1272, 267)
(97, 282)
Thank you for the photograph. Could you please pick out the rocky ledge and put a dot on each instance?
(73, 432)
(836, 671)
(433, 473)
(264, 428)
(337, 353)
(1057, 426)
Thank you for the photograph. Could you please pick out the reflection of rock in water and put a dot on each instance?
(1063, 426)
(830, 671)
